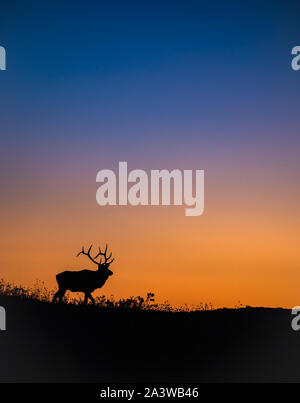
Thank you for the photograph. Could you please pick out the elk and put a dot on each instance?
(85, 281)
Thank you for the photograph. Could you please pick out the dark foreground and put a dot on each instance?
(63, 343)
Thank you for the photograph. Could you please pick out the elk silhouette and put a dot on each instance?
(85, 281)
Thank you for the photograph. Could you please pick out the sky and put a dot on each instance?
(159, 84)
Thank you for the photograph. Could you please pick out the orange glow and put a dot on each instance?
(244, 248)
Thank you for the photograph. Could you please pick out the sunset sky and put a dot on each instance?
(159, 84)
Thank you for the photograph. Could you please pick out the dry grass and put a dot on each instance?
(39, 292)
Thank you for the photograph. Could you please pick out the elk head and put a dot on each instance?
(102, 266)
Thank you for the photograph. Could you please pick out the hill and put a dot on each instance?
(63, 342)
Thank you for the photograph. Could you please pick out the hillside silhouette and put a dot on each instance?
(137, 340)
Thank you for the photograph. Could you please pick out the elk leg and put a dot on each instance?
(85, 298)
(55, 296)
(59, 294)
(91, 298)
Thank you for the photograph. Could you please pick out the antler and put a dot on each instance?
(105, 257)
(88, 254)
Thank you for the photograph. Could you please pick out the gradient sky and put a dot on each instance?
(160, 84)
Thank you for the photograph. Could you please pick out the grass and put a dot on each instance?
(40, 293)
(138, 340)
